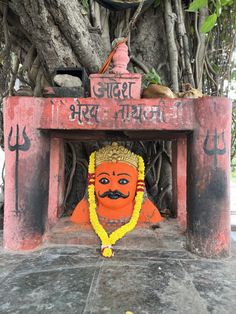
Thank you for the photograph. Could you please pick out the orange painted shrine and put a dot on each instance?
(35, 130)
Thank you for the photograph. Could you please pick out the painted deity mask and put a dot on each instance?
(115, 184)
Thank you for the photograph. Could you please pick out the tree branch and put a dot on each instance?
(140, 64)
(200, 53)
(184, 43)
(14, 75)
(172, 49)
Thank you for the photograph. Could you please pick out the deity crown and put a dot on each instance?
(114, 153)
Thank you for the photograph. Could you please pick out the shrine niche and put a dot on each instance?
(116, 201)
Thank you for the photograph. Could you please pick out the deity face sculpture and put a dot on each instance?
(115, 184)
(115, 196)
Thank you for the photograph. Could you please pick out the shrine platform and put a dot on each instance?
(139, 278)
(66, 232)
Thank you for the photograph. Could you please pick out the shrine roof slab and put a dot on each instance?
(108, 114)
(104, 114)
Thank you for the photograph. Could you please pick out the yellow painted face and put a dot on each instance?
(115, 184)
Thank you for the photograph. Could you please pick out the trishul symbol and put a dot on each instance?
(215, 150)
(17, 147)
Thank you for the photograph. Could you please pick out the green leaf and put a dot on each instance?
(215, 67)
(226, 2)
(85, 4)
(151, 77)
(196, 5)
(218, 7)
(209, 23)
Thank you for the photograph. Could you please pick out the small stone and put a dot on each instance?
(66, 80)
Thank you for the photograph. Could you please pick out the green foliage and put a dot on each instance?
(85, 4)
(233, 175)
(233, 72)
(196, 5)
(233, 169)
(151, 77)
(209, 23)
(216, 7)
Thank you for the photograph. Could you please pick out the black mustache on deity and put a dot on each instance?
(114, 194)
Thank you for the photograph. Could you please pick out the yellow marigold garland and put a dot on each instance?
(108, 241)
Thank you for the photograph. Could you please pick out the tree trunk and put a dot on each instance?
(61, 33)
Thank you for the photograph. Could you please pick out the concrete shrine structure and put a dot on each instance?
(35, 130)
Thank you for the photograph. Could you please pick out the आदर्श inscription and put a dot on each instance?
(214, 150)
(84, 113)
(120, 90)
(24, 146)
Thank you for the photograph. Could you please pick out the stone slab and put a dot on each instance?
(76, 279)
(55, 291)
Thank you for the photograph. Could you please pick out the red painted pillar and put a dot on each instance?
(56, 182)
(179, 172)
(26, 179)
(208, 216)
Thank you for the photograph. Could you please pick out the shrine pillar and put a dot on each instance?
(179, 170)
(208, 178)
(56, 180)
(26, 174)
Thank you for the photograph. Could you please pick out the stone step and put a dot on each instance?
(66, 232)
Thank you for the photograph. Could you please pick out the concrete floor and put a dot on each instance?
(150, 273)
